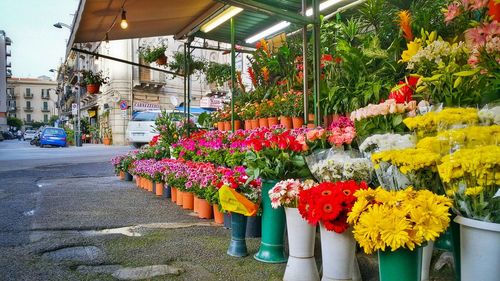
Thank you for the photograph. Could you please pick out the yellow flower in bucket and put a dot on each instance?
(234, 202)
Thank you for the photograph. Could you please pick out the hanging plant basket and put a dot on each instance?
(161, 60)
(93, 88)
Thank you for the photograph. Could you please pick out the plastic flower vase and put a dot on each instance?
(254, 123)
(196, 201)
(218, 215)
(479, 249)
(204, 209)
(297, 122)
(301, 237)
(339, 255)
(400, 265)
(173, 196)
(187, 200)
(220, 126)
(263, 122)
(159, 189)
(273, 121)
(238, 245)
(271, 248)
(227, 220)
(167, 191)
(128, 176)
(286, 122)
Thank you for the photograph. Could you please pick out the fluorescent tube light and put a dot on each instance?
(322, 6)
(267, 32)
(220, 18)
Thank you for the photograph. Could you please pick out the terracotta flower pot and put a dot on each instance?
(204, 209)
(162, 60)
(298, 122)
(220, 126)
(187, 200)
(310, 121)
(273, 121)
(218, 216)
(237, 125)
(159, 189)
(122, 175)
(150, 185)
(263, 123)
(254, 123)
(180, 197)
(195, 204)
(137, 181)
(173, 194)
(227, 125)
(286, 121)
(93, 88)
(248, 125)
(327, 120)
(106, 141)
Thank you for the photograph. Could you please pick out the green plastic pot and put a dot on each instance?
(400, 265)
(271, 248)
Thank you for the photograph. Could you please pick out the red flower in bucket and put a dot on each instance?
(329, 203)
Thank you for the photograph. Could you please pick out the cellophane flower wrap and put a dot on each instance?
(406, 218)
(472, 178)
(383, 142)
(399, 168)
(433, 122)
(286, 193)
(329, 203)
(338, 165)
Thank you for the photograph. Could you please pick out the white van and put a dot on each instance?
(141, 129)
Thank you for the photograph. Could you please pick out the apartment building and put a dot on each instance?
(141, 88)
(32, 99)
(5, 72)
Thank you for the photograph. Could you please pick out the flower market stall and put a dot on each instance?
(377, 131)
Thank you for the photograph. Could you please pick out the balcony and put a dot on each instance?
(28, 95)
(46, 97)
(12, 108)
(27, 122)
(45, 109)
(28, 108)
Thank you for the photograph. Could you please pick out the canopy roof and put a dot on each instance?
(150, 18)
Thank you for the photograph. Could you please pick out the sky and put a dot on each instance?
(37, 45)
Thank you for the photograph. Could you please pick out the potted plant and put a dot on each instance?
(154, 54)
(94, 80)
(217, 73)
(177, 65)
(108, 136)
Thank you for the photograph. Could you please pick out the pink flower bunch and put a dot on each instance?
(339, 136)
(384, 108)
(286, 193)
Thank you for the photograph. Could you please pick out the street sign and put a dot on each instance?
(123, 105)
(74, 109)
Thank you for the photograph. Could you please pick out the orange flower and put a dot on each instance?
(405, 24)
(265, 73)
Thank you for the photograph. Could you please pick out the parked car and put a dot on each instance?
(53, 136)
(141, 129)
(29, 134)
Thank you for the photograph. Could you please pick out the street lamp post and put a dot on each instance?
(78, 139)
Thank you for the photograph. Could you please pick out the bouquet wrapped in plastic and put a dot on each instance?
(338, 165)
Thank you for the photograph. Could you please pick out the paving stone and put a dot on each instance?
(145, 272)
(84, 254)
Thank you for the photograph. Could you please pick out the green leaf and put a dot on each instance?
(466, 72)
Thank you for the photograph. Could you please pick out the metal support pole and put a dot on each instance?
(185, 80)
(233, 72)
(304, 65)
(188, 74)
(78, 139)
(316, 60)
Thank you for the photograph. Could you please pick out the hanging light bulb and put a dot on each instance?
(124, 23)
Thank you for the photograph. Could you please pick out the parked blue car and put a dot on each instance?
(53, 136)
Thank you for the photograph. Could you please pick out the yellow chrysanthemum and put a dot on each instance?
(368, 228)
(395, 230)
(439, 121)
(408, 160)
(474, 191)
